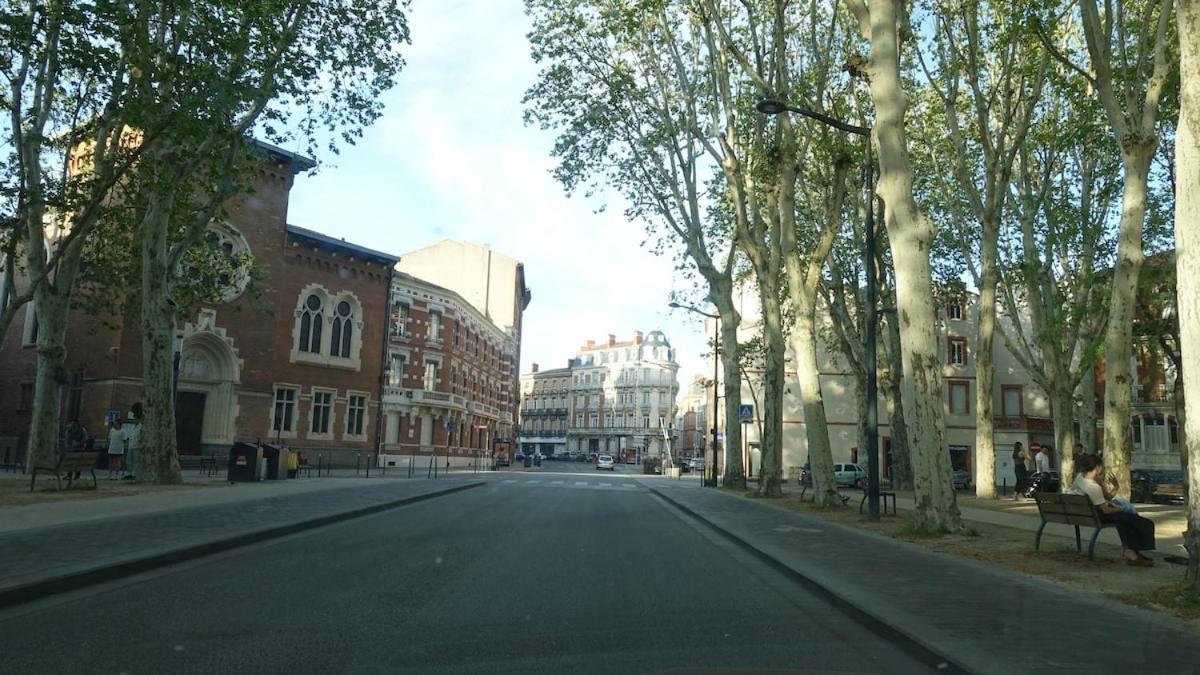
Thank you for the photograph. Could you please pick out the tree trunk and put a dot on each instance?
(1118, 337)
(1062, 410)
(985, 367)
(735, 471)
(1087, 409)
(771, 476)
(51, 310)
(816, 428)
(1187, 251)
(158, 459)
(911, 235)
(902, 478)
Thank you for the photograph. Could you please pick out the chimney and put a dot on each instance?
(637, 337)
(590, 344)
(535, 367)
(612, 339)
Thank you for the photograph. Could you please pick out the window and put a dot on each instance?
(578, 420)
(284, 415)
(608, 419)
(435, 326)
(956, 351)
(30, 336)
(959, 391)
(593, 421)
(954, 311)
(662, 398)
(25, 400)
(645, 398)
(645, 422)
(400, 314)
(339, 339)
(620, 420)
(311, 320)
(430, 381)
(322, 406)
(1011, 401)
(396, 371)
(356, 411)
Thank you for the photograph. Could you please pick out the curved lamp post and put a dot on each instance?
(774, 107)
(716, 361)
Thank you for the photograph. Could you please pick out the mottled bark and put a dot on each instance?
(985, 368)
(158, 459)
(1187, 251)
(1062, 410)
(910, 234)
(734, 471)
(804, 345)
(1118, 337)
(771, 476)
(52, 312)
(902, 477)
(1087, 409)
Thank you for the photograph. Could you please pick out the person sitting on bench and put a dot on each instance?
(1136, 532)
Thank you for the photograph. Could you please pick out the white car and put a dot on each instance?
(697, 464)
(605, 462)
(849, 475)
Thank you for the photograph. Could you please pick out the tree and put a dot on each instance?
(319, 65)
(72, 104)
(1128, 47)
(911, 235)
(981, 48)
(1187, 251)
(628, 91)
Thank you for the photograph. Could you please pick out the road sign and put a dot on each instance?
(721, 436)
(479, 427)
(449, 425)
(745, 412)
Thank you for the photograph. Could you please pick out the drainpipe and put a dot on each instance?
(385, 363)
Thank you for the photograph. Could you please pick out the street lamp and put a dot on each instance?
(774, 107)
(716, 362)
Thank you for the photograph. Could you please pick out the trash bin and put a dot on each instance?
(537, 460)
(243, 462)
(276, 459)
(528, 462)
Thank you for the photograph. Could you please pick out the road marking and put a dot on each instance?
(789, 528)
(536, 480)
(607, 485)
(510, 480)
(581, 482)
(556, 482)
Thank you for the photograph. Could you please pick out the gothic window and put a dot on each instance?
(311, 320)
(339, 342)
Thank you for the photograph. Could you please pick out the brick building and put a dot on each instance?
(296, 353)
(449, 382)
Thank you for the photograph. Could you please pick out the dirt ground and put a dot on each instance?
(1153, 588)
(14, 491)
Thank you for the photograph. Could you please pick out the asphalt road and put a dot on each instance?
(530, 573)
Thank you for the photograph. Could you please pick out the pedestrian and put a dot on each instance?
(116, 449)
(293, 464)
(1110, 486)
(76, 438)
(1019, 457)
(1042, 459)
(1136, 532)
(133, 432)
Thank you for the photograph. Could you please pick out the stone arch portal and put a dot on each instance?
(209, 371)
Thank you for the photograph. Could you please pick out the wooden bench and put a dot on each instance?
(1069, 509)
(205, 464)
(69, 464)
(884, 496)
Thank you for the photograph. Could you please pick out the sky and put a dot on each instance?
(452, 159)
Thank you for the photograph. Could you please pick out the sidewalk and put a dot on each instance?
(980, 618)
(1169, 521)
(51, 548)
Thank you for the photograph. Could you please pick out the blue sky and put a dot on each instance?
(452, 159)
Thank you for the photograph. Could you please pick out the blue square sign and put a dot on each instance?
(745, 412)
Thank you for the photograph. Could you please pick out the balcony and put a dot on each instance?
(1153, 394)
(437, 399)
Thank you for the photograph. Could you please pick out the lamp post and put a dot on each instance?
(716, 362)
(773, 107)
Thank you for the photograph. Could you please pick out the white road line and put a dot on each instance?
(580, 482)
(536, 480)
(510, 480)
(556, 482)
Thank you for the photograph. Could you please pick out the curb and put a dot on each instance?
(37, 590)
(913, 644)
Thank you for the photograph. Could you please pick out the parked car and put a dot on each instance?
(849, 475)
(696, 464)
(1160, 486)
(605, 462)
(961, 479)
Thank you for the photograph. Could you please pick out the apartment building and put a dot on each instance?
(543, 418)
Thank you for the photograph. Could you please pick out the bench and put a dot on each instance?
(1069, 509)
(884, 496)
(69, 464)
(205, 464)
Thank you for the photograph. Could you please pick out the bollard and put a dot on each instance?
(1004, 487)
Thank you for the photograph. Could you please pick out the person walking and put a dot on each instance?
(116, 449)
(1042, 460)
(1019, 458)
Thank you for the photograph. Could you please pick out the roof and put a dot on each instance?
(340, 244)
(298, 162)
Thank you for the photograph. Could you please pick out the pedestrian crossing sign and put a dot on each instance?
(746, 412)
